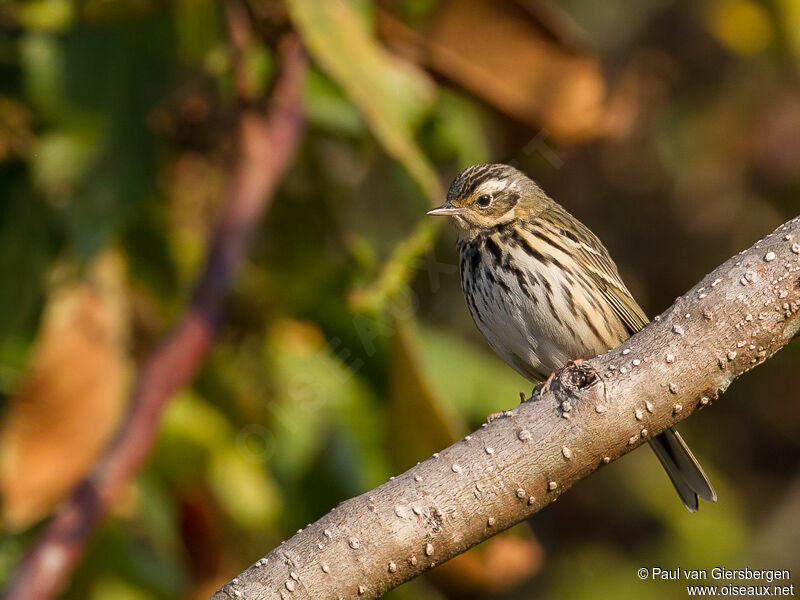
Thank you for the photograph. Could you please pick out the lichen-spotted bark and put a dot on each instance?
(594, 412)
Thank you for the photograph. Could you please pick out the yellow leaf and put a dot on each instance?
(742, 26)
(244, 489)
(789, 11)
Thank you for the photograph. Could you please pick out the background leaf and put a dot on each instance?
(392, 94)
(71, 397)
(346, 350)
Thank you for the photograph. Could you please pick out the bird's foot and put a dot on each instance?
(495, 415)
(544, 386)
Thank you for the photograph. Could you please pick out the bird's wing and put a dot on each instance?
(597, 264)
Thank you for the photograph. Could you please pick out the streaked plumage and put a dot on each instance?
(543, 290)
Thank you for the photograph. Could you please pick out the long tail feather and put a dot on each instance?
(683, 469)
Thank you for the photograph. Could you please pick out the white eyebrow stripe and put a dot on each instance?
(492, 186)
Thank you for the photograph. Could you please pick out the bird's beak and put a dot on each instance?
(445, 210)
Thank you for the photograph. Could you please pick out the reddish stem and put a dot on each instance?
(266, 144)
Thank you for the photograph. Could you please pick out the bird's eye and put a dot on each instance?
(484, 200)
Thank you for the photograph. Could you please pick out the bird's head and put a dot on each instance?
(482, 197)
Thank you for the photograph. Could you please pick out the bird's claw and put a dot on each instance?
(545, 385)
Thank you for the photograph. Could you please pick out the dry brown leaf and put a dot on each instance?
(494, 50)
(211, 554)
(16, 128)
(497, 566)
(69, 400)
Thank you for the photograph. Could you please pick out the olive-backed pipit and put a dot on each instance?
(543, 290)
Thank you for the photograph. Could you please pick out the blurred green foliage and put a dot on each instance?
(331, 373)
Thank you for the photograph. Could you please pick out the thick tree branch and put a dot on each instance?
(266, 144)
(737, 317)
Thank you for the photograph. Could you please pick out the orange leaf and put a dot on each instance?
(69, 400)
(495, 50)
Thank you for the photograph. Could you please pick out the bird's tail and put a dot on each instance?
(683, 469)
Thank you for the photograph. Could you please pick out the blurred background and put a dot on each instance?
(346, 353)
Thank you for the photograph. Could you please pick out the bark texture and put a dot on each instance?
(593, 413)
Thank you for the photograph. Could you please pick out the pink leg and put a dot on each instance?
(545, 385)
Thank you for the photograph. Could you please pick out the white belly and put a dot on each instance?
(527, 315)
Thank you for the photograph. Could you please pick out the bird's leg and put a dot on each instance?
(572, 363)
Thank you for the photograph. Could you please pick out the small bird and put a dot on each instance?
(544, 291)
